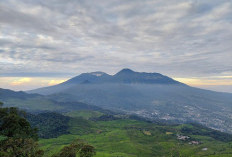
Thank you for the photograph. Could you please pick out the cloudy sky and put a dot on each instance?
(46, 42)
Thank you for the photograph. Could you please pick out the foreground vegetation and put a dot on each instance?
(123, 137)
(19, 139)
(111, 135)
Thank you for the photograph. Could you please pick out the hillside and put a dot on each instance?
(117, 134)
(130, 138)
(39, 103)
(150, 95)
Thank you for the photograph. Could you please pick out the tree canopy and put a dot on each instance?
(77, 147)
(19, 139)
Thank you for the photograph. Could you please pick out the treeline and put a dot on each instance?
(203, 131)
(105, 118)
(19, 139)
(50, 124)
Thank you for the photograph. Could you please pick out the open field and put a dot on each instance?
(131, 138)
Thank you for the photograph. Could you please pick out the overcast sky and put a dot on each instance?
(44, 42)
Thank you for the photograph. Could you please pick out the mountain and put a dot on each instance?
(112, 133)
(150, 95)
(125, 76)
(129, 76)
(6, 94)
(40, 103)
(91, 77)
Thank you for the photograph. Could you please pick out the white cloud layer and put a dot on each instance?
(179, 38)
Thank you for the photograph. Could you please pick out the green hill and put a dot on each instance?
(125, 137)
(39, 103)
(114, 134)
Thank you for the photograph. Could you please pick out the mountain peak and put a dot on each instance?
(130, 76)
(126, 71)
(97, 73)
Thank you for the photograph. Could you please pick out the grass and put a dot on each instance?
(131, 138)
(84, 114)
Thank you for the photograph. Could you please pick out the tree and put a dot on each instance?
(19, 147)
(77, 148)
(20, 136)
(20, 139)
(13, 124)
(87, 151)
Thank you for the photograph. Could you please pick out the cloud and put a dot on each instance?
(23, 20)
(54, 82)
(206, 81)
(20, 81)
(28, 83)
(178, 38)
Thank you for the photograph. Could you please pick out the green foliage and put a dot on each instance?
(127, 138)
(77, 147)
(13, 124)
(50, 124)
(84, 114)
(105, 118)
(111, 137)
(19, 137)
(87, 151)
(203, 131)
(80, 126)
(19, 147)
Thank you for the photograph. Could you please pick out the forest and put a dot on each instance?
(19, 139)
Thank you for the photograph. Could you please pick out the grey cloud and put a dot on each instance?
(43, 74)
(24, 45)
(13, 17)
(180, 38)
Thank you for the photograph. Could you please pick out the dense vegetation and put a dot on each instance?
(50, 124)
(113, 136)
(203, 131)
(19, 139)
(83, 149)
(105, 118)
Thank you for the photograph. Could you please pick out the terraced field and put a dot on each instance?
(133, 138)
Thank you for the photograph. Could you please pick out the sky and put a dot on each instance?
(43, 42)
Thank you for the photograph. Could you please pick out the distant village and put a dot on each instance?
(191, 142)
(186, 138)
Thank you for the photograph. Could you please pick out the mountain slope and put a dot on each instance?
(39, 103)
(134, 138)
(150, 95)
(125, 76)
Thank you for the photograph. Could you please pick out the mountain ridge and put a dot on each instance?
(149, 95)
(125, 75)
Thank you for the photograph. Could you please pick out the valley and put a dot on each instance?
(150, 95)
(128, 114)
(129, 138)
